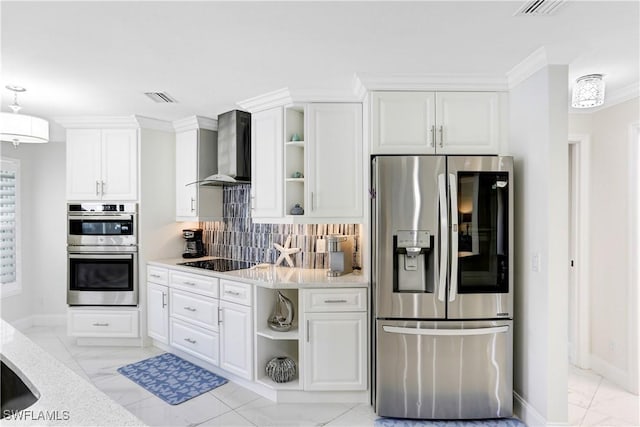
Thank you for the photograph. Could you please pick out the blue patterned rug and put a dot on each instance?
(171, 378)
(493, 422)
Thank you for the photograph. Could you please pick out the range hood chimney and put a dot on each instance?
(234, 149)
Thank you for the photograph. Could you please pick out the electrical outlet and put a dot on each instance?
(321, 246)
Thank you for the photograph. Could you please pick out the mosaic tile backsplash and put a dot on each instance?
(237, 237)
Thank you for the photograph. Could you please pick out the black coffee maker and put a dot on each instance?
(193, 247)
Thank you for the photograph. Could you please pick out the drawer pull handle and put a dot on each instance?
(235, 294)
(335, 301)
(190, 283)
(189, 308)
(100, 324)
(190, 341)
(157, 276)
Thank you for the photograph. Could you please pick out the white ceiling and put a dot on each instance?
(97, 58)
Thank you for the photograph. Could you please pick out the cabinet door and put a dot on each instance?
(119, 164)
(186, 172)
(266, 164)
(335, 351)
(468, 122)
(334, 160)
(403, 123)
(236, 339)
(83, 164)
(157, 312)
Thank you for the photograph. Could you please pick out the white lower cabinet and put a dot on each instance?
(104, 323)
(335, 351)
(158, 312)
(335, 339)
(196, 341)
(236, 339)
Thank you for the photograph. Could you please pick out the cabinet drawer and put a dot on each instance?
(158, 275)
(343, 299)
(235, 292)
(194, 308)
(103, 323)
(196, 341)
(194, 283)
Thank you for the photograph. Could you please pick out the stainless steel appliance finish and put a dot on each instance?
(340, 255)
(102, 254)
(443, 274)
(431, 380)
(102, 275)
(102, 224)
(234, 145)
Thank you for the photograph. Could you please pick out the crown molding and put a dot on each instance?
(113, 122)
(103, 122)
(324, 95)
(527, 67)
(277, 98)
(195, 122)
(364, 82)
(155, 124)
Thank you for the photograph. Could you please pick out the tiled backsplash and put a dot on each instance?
(237, 237)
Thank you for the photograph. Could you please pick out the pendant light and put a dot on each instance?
(588, 91)
(21, 128)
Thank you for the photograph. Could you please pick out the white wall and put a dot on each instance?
(538, 141)
(609, 269)
(43, 232)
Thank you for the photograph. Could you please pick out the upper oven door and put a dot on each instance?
(101, 229)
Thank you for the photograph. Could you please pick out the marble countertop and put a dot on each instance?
(66, 399)
(270, 276)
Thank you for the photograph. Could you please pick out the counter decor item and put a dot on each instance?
(281, 369)
(282, 318)
(285, 252)
(297, 210)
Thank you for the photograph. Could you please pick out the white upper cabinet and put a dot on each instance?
(266, 164)
(403, 122)
(102, 164)
(437, 122)
(334, 160)
(196, 159)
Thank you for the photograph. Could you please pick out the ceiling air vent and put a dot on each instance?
(539, 7)
(161, 97)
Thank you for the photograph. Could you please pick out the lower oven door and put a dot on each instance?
(102, 278)
(444, 369)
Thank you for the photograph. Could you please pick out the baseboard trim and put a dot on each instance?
(49, 319)
(22, 324)
(527, 413)
(610, 372)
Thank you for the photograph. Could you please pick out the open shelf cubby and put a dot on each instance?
(294, 157)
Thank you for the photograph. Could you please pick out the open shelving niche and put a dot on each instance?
(270, 343)
(294, 157)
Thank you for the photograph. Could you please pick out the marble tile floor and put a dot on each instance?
(593, 401)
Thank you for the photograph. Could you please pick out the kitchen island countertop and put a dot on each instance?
(66, 399)
(270, 276)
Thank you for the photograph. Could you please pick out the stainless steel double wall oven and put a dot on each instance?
(102, 253)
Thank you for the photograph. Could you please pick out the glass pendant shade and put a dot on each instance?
(588, 91)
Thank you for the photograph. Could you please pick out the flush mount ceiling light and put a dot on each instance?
(588, 91)
(20, 128)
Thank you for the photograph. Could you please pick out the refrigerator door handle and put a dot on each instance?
(453, 194)
(446, 332)
(444, 237)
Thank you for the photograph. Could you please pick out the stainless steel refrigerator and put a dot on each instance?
(443, 286)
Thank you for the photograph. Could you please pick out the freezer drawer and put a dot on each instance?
(444, 369)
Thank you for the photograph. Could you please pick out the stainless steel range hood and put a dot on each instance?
(234, 150)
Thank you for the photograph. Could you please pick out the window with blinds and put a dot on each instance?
(9, 223)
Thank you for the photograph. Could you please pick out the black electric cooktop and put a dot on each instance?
(219, 264)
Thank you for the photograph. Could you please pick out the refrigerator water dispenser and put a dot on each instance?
(411, 261)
